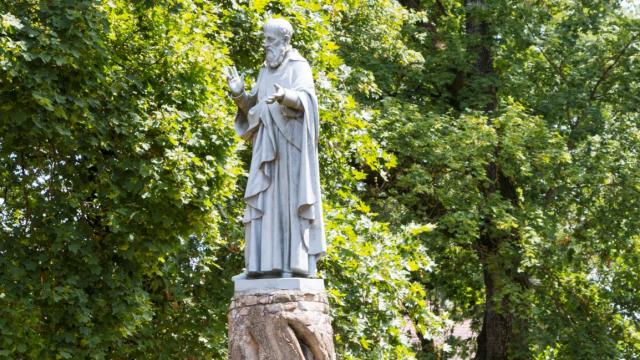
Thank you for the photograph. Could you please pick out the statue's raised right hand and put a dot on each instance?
(236, 84)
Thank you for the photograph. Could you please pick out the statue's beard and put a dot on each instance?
(275, 56)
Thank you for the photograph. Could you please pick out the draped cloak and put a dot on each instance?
(283, 215)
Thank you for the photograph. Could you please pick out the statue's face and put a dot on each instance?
(275, 46)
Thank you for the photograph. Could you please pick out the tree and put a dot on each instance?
(494, 111)
(113, 154)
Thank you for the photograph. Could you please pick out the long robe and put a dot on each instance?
(283, 217)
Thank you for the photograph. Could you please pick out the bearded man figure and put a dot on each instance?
(284, 234)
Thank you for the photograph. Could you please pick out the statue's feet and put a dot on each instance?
(272, 275)
(297, 273)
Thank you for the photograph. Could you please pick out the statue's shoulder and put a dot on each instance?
(295, 55)
(298, 63)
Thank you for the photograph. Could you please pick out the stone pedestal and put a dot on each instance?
(280, 319)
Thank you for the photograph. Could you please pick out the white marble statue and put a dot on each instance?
(284, 233)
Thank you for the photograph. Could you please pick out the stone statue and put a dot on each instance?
(284, 233)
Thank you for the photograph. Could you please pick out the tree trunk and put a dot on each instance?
(497, 335)
(494, 338)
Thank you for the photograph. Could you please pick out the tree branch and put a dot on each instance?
(611, 66)
(555, 66)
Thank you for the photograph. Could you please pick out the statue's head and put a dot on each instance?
(277, 35)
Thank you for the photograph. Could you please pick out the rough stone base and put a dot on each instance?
(280, 325)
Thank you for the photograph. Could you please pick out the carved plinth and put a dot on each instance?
(277, 324)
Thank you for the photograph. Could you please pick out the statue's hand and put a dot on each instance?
(236, 84)
(277, 96)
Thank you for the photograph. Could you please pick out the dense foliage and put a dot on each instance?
(515, 128)
(479, 161)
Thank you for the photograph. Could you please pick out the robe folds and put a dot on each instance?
(283, 222)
